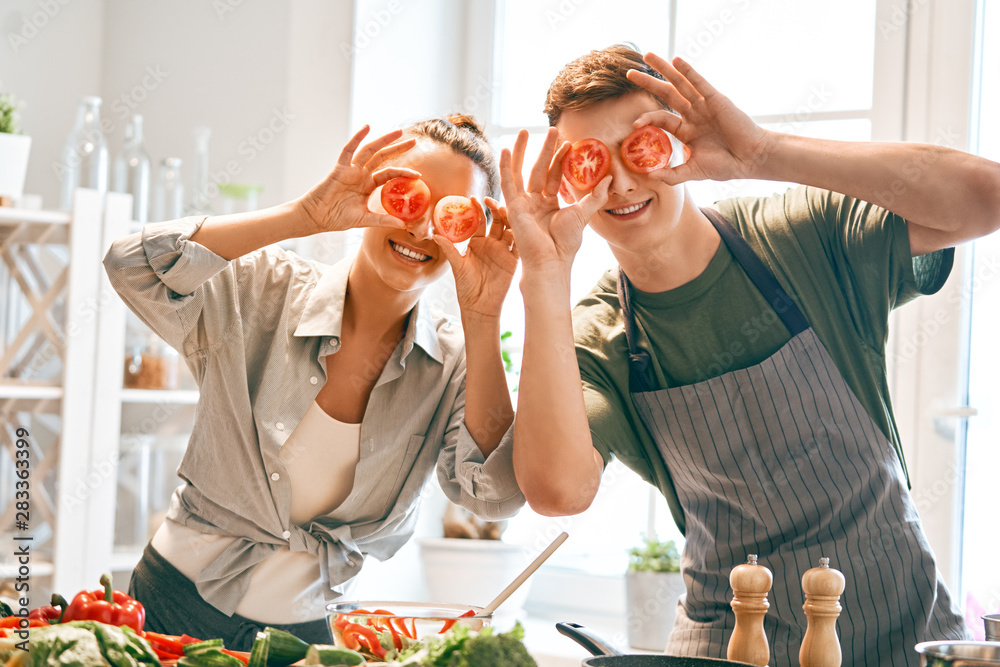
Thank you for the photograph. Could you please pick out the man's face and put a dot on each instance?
(640, 210)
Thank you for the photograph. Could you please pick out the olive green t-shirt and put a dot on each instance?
(846, 263)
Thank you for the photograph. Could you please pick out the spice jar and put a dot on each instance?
(149, 362)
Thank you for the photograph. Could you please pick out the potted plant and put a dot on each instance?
(14, 149)
(653, 583)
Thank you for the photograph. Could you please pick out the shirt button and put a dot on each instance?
(275, 476)
(313, 380)
(286, 534)
(279, 426)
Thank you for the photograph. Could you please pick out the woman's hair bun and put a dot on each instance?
(466, 122)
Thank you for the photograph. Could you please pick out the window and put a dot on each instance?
(801, 68)
(980, 578)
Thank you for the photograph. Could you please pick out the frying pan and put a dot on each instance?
(608, 656)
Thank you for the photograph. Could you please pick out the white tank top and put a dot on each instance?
(321, 456)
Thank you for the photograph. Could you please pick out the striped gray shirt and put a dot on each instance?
(255, 332)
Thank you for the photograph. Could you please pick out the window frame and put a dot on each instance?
(919, 46)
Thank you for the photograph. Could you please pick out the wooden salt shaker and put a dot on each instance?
(822, 586)
(750, 583)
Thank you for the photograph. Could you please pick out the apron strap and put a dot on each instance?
(759, 274)
(638, 358)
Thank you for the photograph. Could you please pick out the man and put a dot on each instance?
(736, 359)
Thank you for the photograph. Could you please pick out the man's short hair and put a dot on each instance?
(595, 77)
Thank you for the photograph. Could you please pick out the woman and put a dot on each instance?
(328, 394)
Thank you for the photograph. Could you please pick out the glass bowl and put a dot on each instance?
(406, 620)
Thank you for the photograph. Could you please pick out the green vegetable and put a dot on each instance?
(207, 654)
(464, 648)
(284, 648)
(89, 644)
(202, 647)
(321, 654)
(258, 654)
(5, 610)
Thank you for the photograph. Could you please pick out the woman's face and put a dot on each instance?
(408, 259)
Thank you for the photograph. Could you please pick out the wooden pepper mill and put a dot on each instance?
(822, 586)
(750, 583)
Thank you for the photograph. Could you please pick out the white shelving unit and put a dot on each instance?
(70, 325)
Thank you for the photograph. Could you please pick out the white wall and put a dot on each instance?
(50, 56)
(268, 78)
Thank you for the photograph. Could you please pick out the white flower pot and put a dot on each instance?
(651, 605)
(14, 150)
(473, 571)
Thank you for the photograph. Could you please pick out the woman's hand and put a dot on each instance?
(548, 237)
(483, 275)
(724, 142)
(341, 201)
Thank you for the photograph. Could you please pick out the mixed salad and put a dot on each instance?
(105, 628)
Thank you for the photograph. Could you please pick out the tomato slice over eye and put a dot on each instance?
(586, 163)
(455, 218)
(647, 149)
(405, 198)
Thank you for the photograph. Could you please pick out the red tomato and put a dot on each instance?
(647, 149)
(586, 163)
(406, 198)
(455, 218)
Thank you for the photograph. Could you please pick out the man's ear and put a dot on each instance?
(565, 193)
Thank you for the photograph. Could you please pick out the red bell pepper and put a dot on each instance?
(167, 643)
(360, 635)
(449, 623)
(397, 641)
(106, 606)
(53, 614)
(15, 622)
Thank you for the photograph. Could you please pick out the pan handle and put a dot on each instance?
(587, 639)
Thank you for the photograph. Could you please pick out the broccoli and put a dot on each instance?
(462, 648)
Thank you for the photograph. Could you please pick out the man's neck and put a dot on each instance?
(682, 255)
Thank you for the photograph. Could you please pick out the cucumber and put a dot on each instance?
(258, 654)
(201, 647)
(283, 648)
(207, 654)
(321, 654)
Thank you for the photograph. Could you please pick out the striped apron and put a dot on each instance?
(781, 460)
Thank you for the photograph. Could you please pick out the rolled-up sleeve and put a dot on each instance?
(486, 486)
(158, 273)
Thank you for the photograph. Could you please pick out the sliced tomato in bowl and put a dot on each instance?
(456, 218)
(646, 149)
(586, 163)
(405, 198)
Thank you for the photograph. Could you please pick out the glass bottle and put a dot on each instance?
(169, 200)
(131, 170)
(149, 362)
(199, 171)
(84, 161)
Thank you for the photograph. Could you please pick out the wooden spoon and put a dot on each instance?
(521, 578)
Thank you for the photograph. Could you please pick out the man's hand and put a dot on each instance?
(548, 236)
(724, 142)
(341, 201)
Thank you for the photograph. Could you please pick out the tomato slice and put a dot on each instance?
(406, 198)
(647, 149)
(455, 218)
(586, 163)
